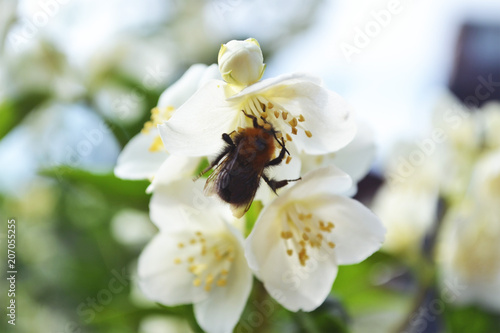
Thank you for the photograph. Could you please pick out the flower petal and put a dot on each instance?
(326, 180)
(221, 311)
(182, 204)
(355, 159)
(358, 233)
(136, 161)
(267, 84)
(175, 168)
(196, 128)
(182, 89)
(160, 278)
(328, 117)
(294, 286)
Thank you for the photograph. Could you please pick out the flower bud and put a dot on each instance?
(241, 62)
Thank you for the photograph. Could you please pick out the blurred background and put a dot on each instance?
(78, 80)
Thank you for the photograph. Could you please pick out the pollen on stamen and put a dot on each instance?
(195, 269)
(177, 261)
(197, 282)
(268, 127)
(331, 245)
(284, 114)
(308, 133)
(264, 115)
(156, 145)
(294, 130)
(279, 135)
(221, 283)
(293, 122)
(180, 245)
(192, 241)
(270, 105)
(240, 129)
(190, 260)
(288, 137)
(301, 118)
(276, 114)
(260, 122)
(288, 159)
(224, 272)
(289, 252)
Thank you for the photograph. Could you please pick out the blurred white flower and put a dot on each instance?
(408, 206)
(164, 324)
(144, 154)
(132, 227)
(300, 239)
(491, 112)
(468, 254)
(297, 105)
(462, 135)
(196, 258)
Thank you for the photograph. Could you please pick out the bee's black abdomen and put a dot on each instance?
(238, 188)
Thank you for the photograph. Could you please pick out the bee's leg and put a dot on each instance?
(251, 116)
(278, 159)
(277, 184)
(227, 138)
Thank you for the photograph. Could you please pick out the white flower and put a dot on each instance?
(300, 239)
(241, 62)
(313, 118)
(144, 154)
(196, 258)
(468, 254)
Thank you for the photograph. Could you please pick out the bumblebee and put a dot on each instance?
(242, 163)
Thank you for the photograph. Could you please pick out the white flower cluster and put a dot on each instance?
(459, 165)
(301, 235)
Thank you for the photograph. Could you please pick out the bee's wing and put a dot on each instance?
(240, 209)
(219, 174)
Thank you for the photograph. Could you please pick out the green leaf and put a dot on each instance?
(471, 319)
(251, 216)
(121, 192)
(13, 111)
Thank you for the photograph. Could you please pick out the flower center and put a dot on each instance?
(209, 260)
(158, 116)
(303, 232)
(276, 115)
